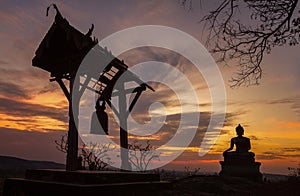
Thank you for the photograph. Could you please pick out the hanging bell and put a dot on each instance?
(99, 122)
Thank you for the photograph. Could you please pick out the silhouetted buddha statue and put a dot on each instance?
(242, 145)
(240, 162)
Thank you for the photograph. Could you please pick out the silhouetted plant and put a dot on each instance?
(294, 172)
(191, 172)
(140, 156)
(62, 144)
(93, 156)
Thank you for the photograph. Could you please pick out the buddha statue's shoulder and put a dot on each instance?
(234, 139)
(241, 140)
(246, 138)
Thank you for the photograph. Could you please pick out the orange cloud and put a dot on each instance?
(289, 124)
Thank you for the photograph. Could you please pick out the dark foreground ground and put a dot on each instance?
(181, 185)
(214, 185)
(1, 185)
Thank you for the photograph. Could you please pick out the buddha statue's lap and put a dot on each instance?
(239, 157)
(234, 153)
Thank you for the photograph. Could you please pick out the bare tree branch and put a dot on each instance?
(62, 144)
(94, 155)
(140, 157)
(240, 32)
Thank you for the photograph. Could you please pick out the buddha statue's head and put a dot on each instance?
(239, 130)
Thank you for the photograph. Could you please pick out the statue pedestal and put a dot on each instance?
(241, 165)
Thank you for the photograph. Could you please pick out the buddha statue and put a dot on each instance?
(240, 162)
(242, 145)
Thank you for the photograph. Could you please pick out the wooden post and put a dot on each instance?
(123, 127)
(72, 152)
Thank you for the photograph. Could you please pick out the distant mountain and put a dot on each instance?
(13, 163)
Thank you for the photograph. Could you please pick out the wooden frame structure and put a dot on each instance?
(61, 52)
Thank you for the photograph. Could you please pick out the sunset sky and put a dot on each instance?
(34, 112)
